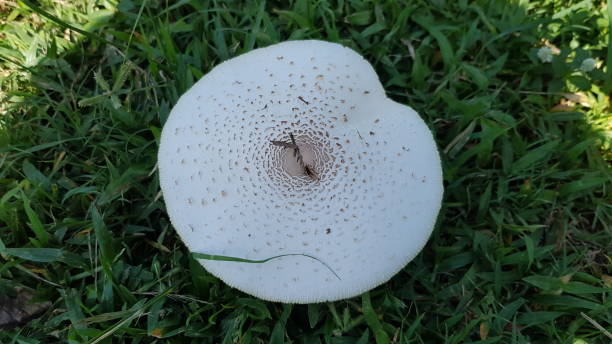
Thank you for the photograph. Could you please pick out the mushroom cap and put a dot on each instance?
(230, 191)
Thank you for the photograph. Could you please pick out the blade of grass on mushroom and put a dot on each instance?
(198, 255)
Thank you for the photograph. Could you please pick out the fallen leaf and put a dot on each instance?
(16, 308)
(157, 332)
(566, 279)
(562, 108)
(83, 232)
(484, 331)
(552, 47)
(578, 98)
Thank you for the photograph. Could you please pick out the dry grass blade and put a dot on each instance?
(596, 325)
(284, 144)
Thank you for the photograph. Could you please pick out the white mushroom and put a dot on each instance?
(233, 185)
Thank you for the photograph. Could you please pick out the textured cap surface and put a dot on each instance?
(367, 209)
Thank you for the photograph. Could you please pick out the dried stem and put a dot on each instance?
(284, 144)
(309, 171)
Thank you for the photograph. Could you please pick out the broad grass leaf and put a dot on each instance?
(579, 288)
(104, 238)
(314, 311)
(446, 48)
(566, 302)
(490, 132)
(46, 83)
(107, 297)
(574, 152)
(372, 30)
(581, 82)
(40, 255)
(43, 146)
(219, 40)
(200, 278)
(414, 326)
(364, 339)
(74, 260)
(35, 223)
(47, 255)
(457, 261)
(536, 318)
(484, 202)
(372, 320)
(588, 182)
(507, 313)
(35, 176)
(460, 140)
(535, 156)
(72, 303)
(530, 247)
(359, 18)
(278, 333)
(153, 319)
(546, 283)
(522, 257)
(79, 191)
(476, 75)
(117, 186)
(300, 20)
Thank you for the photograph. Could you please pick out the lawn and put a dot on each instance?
(516, 93)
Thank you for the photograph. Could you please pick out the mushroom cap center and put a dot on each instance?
(291, 170)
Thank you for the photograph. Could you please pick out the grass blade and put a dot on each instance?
(35, 224)
(372, 320)
(40, 255)
(206, 256)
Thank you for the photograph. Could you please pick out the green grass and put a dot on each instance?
(522, 249)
